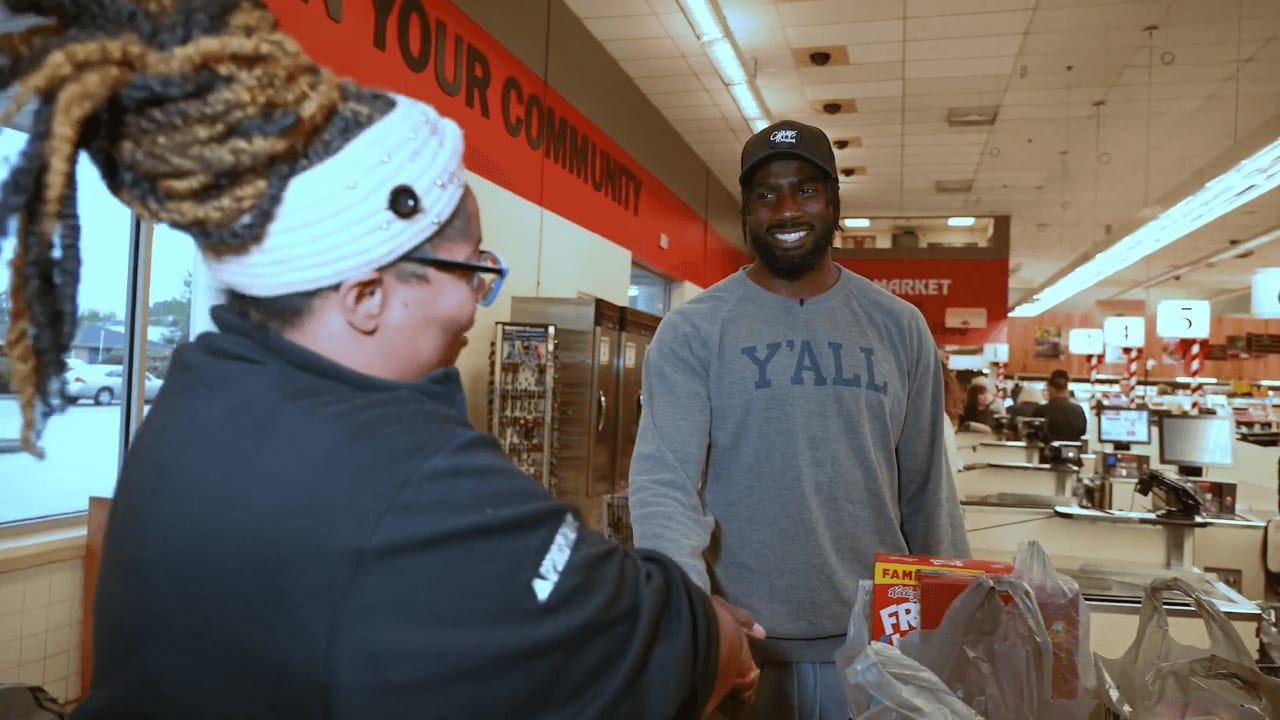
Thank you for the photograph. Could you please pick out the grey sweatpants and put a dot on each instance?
(797, 691)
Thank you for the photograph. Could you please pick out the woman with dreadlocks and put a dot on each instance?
(306, 525)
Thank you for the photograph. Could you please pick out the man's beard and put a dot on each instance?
(792, 265)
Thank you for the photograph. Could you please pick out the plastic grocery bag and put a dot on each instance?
(1159, 677)
(1066, 620)
(895, 687)
(991, 649)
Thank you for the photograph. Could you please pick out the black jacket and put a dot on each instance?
(1064, 419)
(291, 539)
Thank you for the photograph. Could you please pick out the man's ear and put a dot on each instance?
(363, 301)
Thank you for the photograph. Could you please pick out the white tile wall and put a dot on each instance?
(40, 612)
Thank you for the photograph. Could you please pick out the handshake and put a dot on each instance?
(736, 679)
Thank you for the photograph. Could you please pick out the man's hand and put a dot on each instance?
(738, 674)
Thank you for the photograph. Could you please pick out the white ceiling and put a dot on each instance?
(1073, 175)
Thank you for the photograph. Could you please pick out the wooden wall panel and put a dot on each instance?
(1021, 338)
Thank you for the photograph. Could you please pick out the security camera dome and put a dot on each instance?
(820, 57)
(831, 108)
(841, 144)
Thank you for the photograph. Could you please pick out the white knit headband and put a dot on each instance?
(387, 190)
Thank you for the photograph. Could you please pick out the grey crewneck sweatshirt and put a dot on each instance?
(809, 434)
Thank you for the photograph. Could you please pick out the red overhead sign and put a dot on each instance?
(936, 286)
(521, 134)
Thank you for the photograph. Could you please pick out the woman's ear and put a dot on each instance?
(362, 301)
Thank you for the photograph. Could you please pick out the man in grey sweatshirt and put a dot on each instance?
(793, 428)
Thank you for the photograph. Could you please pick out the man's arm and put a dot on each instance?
(931, 517)
(1081, 421)
(667, 465)
(479, 595)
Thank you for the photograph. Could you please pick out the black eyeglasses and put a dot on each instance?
(487, 274)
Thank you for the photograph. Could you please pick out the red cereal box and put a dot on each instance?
(895, 598)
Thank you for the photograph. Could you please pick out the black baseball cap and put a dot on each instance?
(787, 137)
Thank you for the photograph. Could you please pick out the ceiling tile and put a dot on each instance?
(888, 88)
(660, 7)
(1191, 11)
(966, 26)
(998, 45)
(926, 8)
(607, 8)
(656, 68)
(844, 34)
(875, 52)
(879, 104)
(668, 83)
(691, 126)
(643, 49)
(679, 99)
(677, 26)
(1079, 44)
(626, 28)
(826, 12)
(950, 86)
(701, 65)
(959, 67)
(871, 72)
(691, 112)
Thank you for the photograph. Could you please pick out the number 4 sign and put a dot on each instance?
(1125, 331)
(1183, 319)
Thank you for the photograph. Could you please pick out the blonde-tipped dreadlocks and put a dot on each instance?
(197, 113)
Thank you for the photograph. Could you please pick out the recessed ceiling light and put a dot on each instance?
(972, 116)
(961, 221)
(856, 222)
(952, 186)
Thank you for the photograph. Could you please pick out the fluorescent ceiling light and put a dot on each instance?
(961, 221)
(857, 222)
(704, 18)
(725, 57)
(1216, 257)
(744, 94)
(1202, 381)
(1254, 176)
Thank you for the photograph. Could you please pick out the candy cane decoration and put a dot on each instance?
(1131, 375)
(1195, 362)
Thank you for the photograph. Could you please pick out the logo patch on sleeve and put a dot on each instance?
(556, 558)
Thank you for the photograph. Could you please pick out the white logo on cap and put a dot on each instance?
(784, 136)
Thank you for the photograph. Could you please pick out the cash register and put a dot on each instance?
(1122, 428)
(1193, 444)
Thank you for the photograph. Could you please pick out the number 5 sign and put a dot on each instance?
(1183, 319)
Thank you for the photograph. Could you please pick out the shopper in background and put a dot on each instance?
(306, 524)
(1065, 377)
(1023, 403)
(954, 405)
(979, 413)
(793, 427)
(1065, 420)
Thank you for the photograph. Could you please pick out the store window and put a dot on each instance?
(83, 444)
(649, 292)
(173, 285)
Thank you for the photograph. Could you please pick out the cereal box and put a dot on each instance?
(895, 598)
